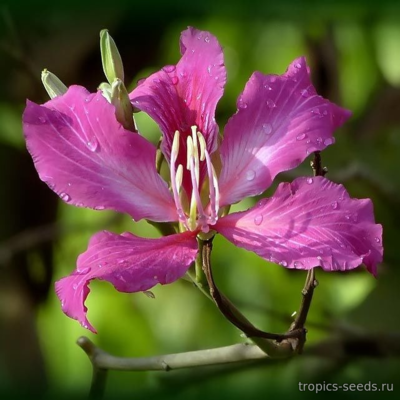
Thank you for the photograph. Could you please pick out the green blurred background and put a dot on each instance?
(354, 51)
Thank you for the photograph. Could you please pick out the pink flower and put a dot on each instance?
(90, 160)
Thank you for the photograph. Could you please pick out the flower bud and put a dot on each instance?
(54, 87)
(123, 106)
(110, 58)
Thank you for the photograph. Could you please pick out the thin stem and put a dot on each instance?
(275, 345)
(99, 373)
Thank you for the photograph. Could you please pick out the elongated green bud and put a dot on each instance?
(53, 85)
(110, 58)
(123, 106)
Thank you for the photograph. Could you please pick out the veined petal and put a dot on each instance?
(90, 160)
(310, 222)
(130, 263)
(178, 97)
(280, 121)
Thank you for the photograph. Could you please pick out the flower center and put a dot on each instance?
(197, 216)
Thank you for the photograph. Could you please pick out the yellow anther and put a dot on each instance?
(179, 177)
(203, 146)
(190, 151)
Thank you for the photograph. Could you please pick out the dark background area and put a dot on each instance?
(354, 52)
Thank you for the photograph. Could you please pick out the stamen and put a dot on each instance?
(196, 202)
(196, 153)
(179, 177)
(176, 181)
(175, 146)
(203, 146)
(214, 189)
(190, 152)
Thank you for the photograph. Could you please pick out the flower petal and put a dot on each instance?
(90, 160)
(280, 121)
(187, 94)
(130, 263)
(310, 222)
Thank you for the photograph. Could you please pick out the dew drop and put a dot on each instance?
(74, 286)
(283, 263)
(325, 112)
(328, 141)
(209, 70)
(207, 39)
(347, 216)
(334, 205)
(319, 140)
(272, 78)
(319, 258)
(271, 103)
(42, 119)
(156, 80)
(297, 65)
(242, 105)
(377, 240)
(93, 144)
(267, 128)
(258, 219)
(301, 136)
(174, 80)
(310, 181)
(64, 196)
(316, 111)
(169, 68)
(298, 264)
(305, 93)
(309, 150)
(250, 175)
(84, 270)
(99, 208)
(266, 86)
(141, 81)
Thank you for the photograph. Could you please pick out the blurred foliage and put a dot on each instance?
(357, 47)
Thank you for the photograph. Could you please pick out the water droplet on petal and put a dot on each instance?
(310, 181)
(268, 87)
(174, 80)
(258, 219)
(301, 136)
(377, 240)
(99, 208)
(66, 197)
(271, 103)
(334, 205)
(169, 68)
(283, 263)
(298, 264)
(242, 105)
(325, 112)
(156, 80)
(250, 175)
(305, 93)
(93, 144)
(207, 39)
(74, 286)
(347, 216)
(42, 119)
(319, 140)
(267, 128)
(297, 65)
(329, 141)
(84, 271)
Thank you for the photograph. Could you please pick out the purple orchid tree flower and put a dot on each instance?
(90, 160)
